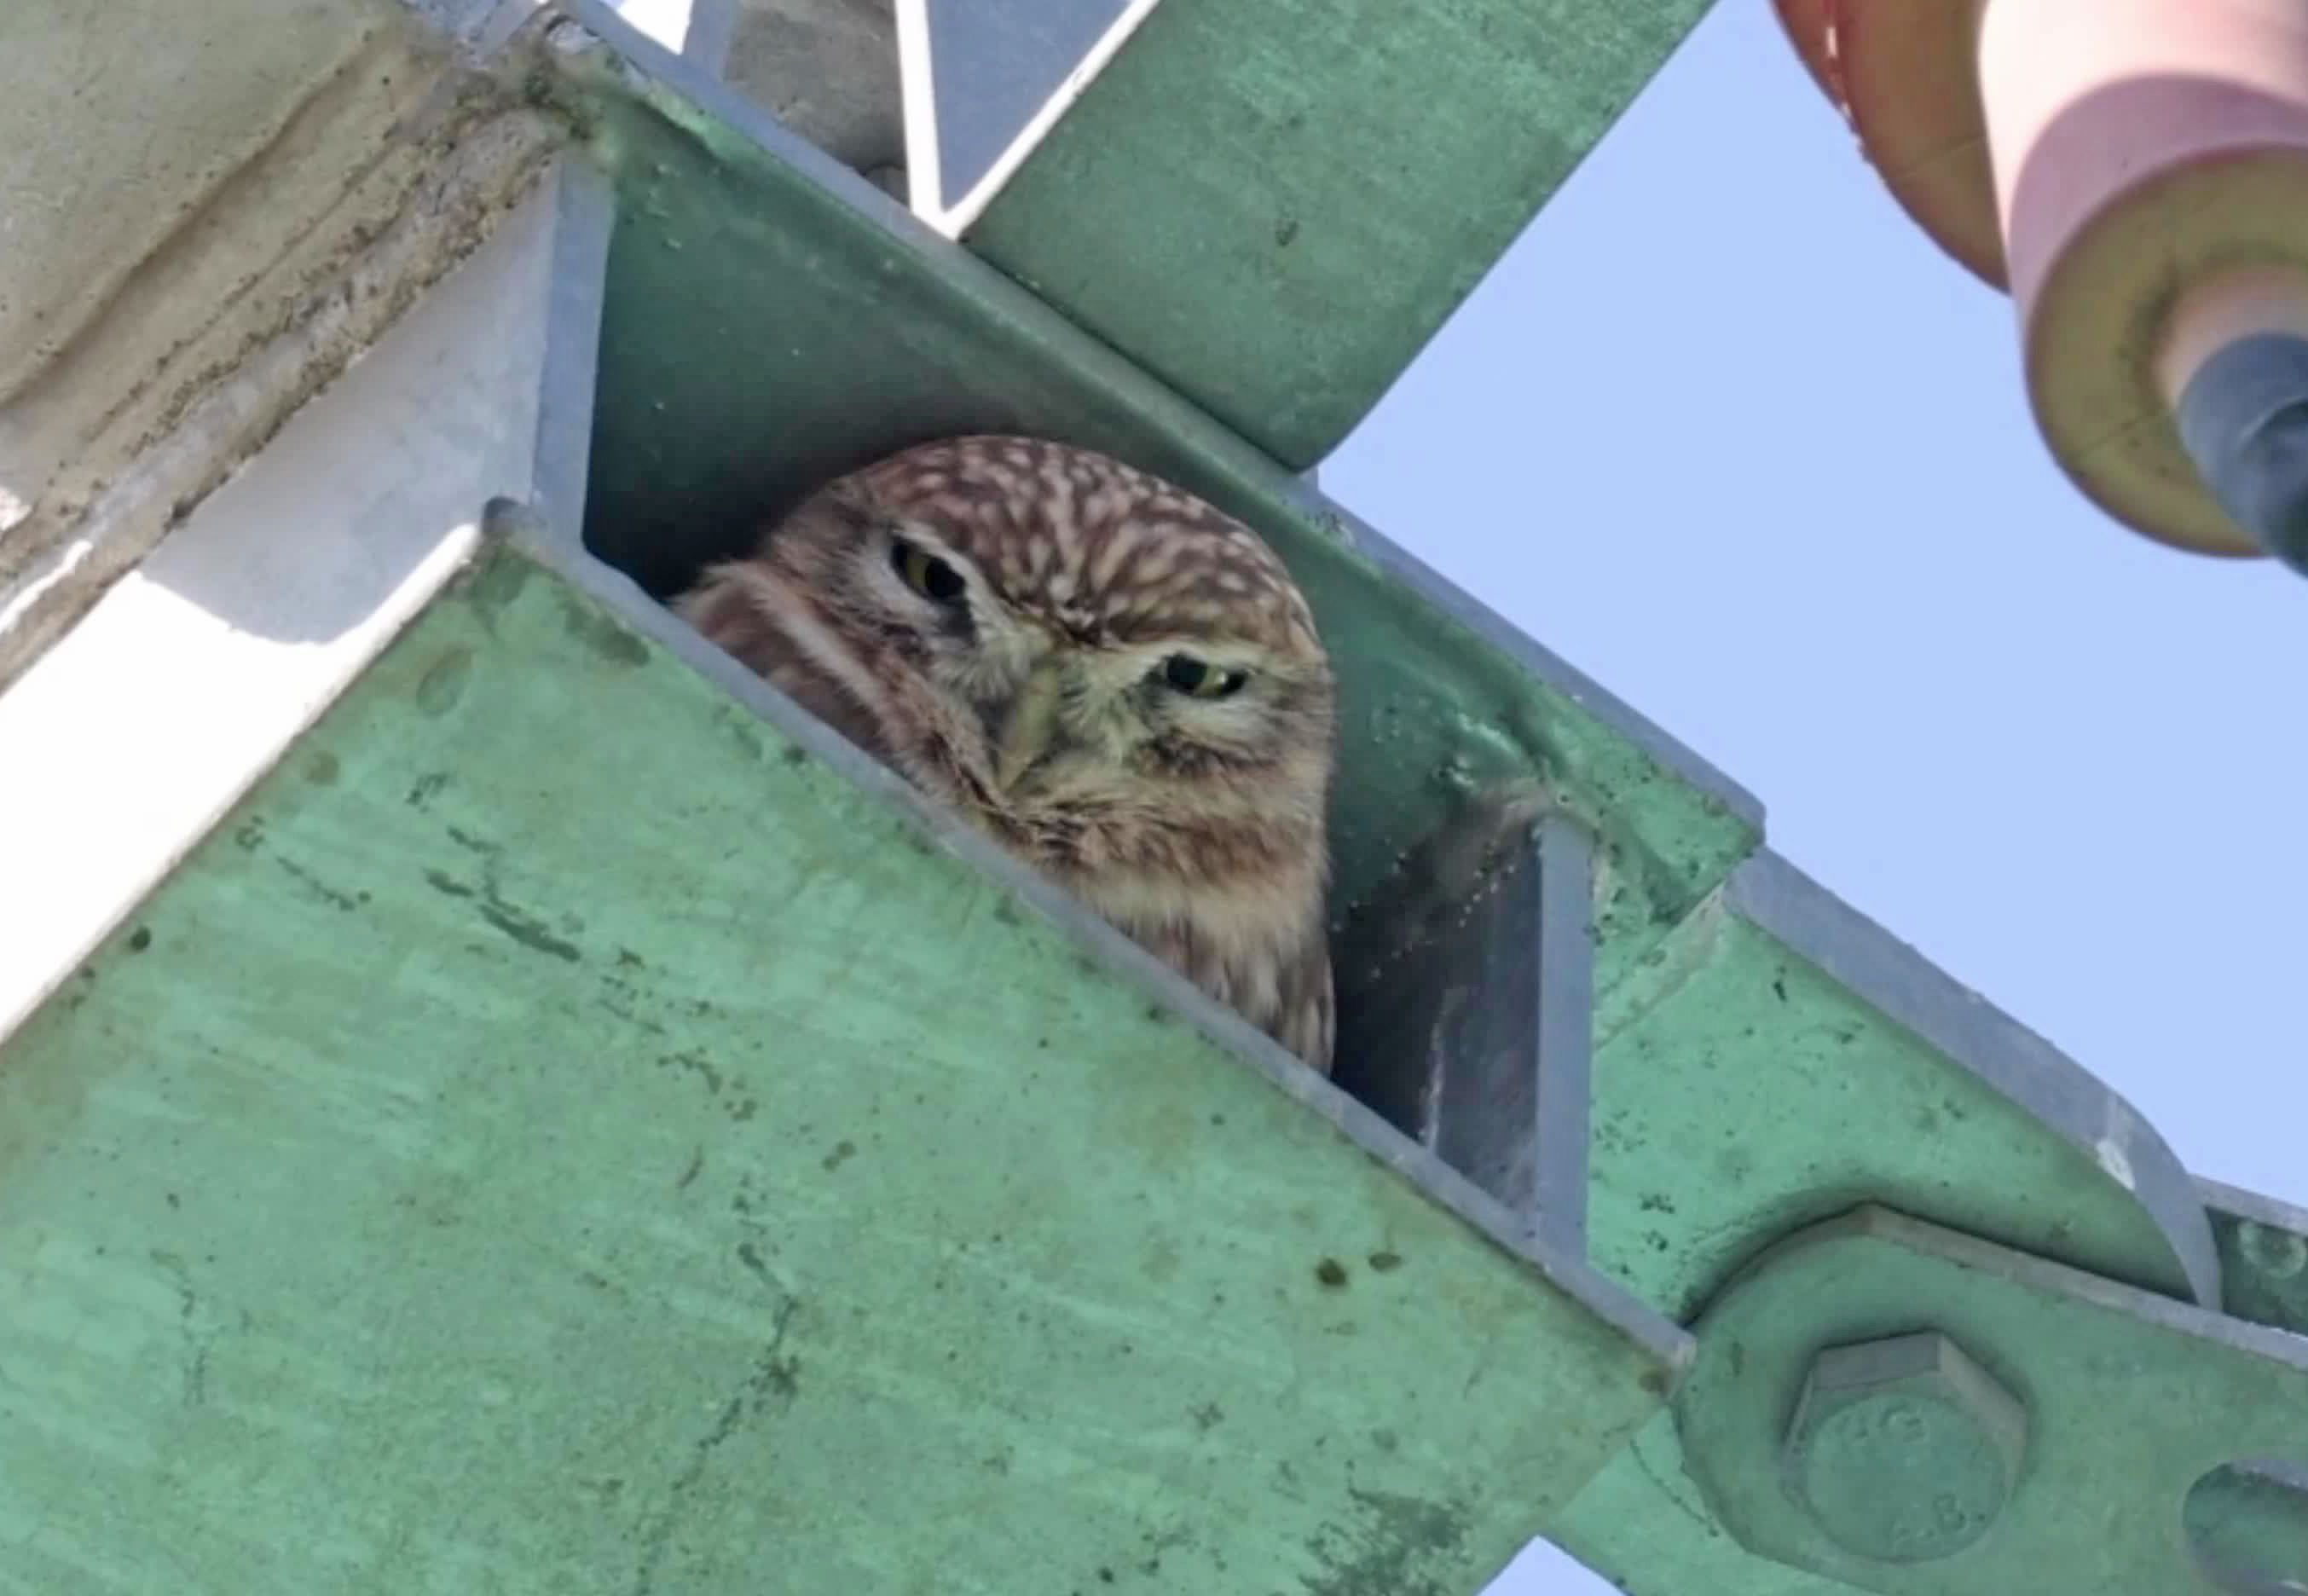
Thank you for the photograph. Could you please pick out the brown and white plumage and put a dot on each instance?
(1112, 678)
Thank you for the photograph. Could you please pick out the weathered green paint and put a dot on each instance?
(1274, 207)
(1643, 1523)
(558, 1135)
(764, 332)
(2131, 1401)
(1740, 1092)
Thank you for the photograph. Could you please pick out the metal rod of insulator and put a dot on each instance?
(2243, 419)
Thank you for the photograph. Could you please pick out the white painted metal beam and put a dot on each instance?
(984, 81)
(125, 742)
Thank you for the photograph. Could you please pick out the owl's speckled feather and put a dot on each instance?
(1003, 621)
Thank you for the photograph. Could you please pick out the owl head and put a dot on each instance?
(1066, 629)
(1113, 678)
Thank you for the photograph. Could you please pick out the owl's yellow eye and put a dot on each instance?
(926, 573)
(1198, 678)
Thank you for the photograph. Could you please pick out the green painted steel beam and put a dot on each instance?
(1272, 207)
(579, 1126)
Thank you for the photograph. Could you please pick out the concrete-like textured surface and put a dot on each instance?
(276, 592)
(119, 122)
(205, 212)
(828, 69)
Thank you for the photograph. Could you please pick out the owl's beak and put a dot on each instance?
(1027, 729)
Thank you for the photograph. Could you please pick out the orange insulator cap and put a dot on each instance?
(2115, 165)
(1902, 74)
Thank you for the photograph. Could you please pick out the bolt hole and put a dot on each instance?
(2278, 1253)
(2247, 1526)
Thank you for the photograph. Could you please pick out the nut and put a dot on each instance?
(1903, 1450)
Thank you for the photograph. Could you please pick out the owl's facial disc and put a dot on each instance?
(1065, 709)
(1092, 715)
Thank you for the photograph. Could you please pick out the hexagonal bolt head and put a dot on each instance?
(1903, 1450)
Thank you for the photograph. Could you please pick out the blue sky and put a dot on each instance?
(1728, 433)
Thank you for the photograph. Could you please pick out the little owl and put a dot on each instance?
(1113, 680)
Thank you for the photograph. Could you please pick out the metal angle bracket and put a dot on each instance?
(1466, 1005)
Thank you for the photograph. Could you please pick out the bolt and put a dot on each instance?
(1903, 1450)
